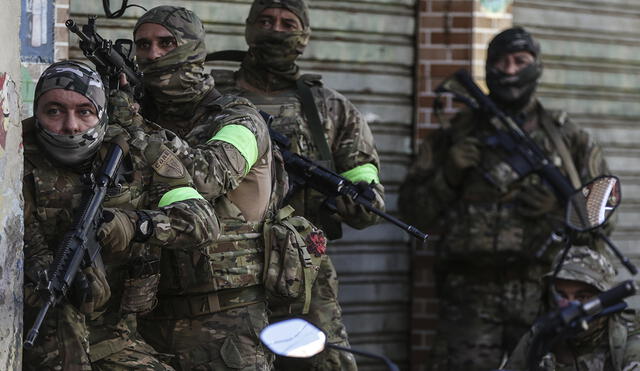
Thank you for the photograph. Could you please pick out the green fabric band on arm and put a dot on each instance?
(363, 173)
(179, 194)
(241, 138)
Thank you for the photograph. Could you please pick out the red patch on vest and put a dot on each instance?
(316, 243)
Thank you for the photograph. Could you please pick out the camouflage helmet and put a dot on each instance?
(586, 265)
(76, 149)
(297, 7)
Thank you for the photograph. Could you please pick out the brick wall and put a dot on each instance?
(452, 34)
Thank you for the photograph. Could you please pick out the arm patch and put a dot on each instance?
(168, 165)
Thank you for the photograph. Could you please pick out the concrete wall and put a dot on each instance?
(10, 191)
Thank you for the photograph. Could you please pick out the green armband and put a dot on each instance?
(363, 173)
(241, 138)
(179, 194)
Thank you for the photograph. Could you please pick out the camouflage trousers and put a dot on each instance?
(482, 316)
(226, 340)
(326, 314)
(63, 342)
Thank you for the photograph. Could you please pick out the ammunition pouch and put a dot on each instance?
(141, 287)
(294, 248)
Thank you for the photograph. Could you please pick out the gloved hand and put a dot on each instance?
(462, 155)
(356, 215)
(117, 230)
(535, 201)
(123, 110)
(90, 290)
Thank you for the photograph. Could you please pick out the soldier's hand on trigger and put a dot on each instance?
(462, 155)
(535, 201)
(355, 214)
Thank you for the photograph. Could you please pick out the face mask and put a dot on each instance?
(276, 50)
(72, 150)
(514, 91)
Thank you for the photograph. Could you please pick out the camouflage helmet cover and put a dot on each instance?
(586, 265)
(297, 7)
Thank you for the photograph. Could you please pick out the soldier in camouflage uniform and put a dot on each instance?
(211, 304)
(277, 32)
(152, 206)
(612, 343)
(494, 227)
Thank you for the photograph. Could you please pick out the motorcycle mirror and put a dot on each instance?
(593, 204)
(295, 338)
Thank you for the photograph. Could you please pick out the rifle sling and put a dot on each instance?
(563, 151)
(315, 124)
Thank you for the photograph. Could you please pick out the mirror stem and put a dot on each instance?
(623, 259)
(392, 366)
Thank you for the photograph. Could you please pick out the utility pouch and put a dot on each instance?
(141, 287)
(293, 250)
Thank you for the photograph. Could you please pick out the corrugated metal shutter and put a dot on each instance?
(591, 55)
(364, 49)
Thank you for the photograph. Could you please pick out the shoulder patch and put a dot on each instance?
(168, 165)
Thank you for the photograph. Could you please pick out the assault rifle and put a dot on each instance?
(302, 171)
(79, 247)
(525, 156)
(111, 59)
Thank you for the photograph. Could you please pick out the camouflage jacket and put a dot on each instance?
(620, 353)
(346, 131)
(51, 193)
(479, 220)
(226, 148)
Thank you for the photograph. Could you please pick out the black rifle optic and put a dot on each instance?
(79, 248)
(304, 172)
(525, 156)
(111, 59)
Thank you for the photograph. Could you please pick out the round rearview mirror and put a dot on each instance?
(593, 204)
(295, 338)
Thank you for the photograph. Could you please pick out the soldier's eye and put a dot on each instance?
(52, 111)
(143, 44)
(168, 43)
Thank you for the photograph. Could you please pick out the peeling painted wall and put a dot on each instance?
(11, 223)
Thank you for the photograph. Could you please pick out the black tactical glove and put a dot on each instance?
(462, 155)
(535, 201)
